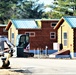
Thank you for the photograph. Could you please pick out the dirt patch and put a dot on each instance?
(8, 72)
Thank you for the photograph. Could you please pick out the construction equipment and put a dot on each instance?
(23, 46)
(5, 53)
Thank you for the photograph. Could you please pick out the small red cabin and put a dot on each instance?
(39, 36)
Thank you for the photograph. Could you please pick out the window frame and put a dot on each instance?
(12, 37)
(53, 23)
(65, 39)
(52, 35)
(4, 30)
(30, 34)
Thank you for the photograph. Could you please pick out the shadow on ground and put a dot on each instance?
(23, 70)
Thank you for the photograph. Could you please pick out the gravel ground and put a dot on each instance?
(40, 66)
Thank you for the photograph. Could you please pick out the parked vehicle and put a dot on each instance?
(22, 49)
(23, 46)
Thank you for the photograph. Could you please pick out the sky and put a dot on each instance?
(46, 1)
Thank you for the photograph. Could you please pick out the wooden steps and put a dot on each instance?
(60, 54)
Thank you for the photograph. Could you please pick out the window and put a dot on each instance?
(52, 35)
(12, 35)
(53, 24)
(4, 30)
(65, 39)
(22, 38)
(12, 39)
(31, 34)
(27, 39)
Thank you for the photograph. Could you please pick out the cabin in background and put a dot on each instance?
(41, 31)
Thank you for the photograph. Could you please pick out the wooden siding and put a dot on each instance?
(10, 31)
(66, 28)
(2, 32)
(42, 36)
(74, 40)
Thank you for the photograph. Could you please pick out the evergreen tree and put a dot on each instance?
(19, 9)
(63, 8)
(6, 9)
(30, 9)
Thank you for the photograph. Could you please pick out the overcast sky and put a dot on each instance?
(46, 1)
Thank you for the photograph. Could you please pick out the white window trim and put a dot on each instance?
(4, 30)
(65, 39)
(30, 34)
(54, 35)
(66, 42)
(53, 23)
(12, 38)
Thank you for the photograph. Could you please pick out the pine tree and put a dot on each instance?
(30, 9)
(19, 9)
(63, 8)
(6, 9)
